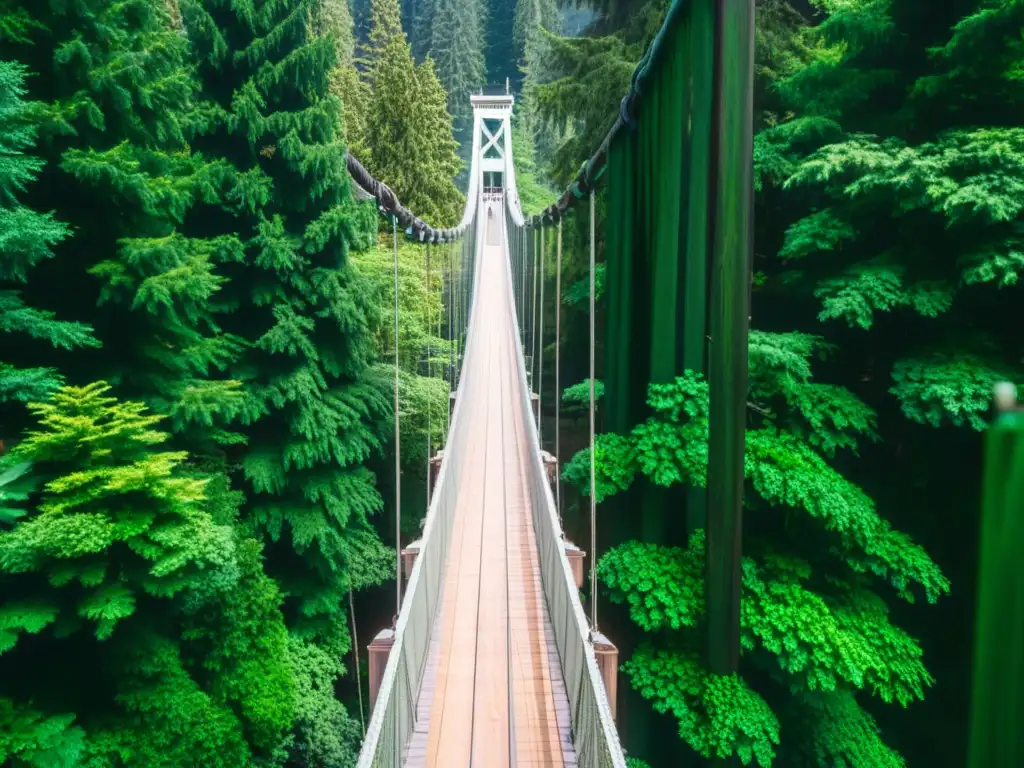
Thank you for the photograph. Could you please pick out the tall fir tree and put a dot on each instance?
(27, 237)
(413, 149)
(115, 111)
(499, 51)
(335, 21)
(116, 141)
(457, 48)
(313, 415)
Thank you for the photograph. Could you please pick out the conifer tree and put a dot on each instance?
(125, 600)
(421, 28)
(118, 114)
(27, 238)
(116, 142)
(336, 21)
(499, 50)
(413, 150)
(314, 416)
(531, 16)
(457, 47)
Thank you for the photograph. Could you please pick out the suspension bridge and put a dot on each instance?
(492, 660)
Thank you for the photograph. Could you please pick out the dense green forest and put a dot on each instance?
(197, 329)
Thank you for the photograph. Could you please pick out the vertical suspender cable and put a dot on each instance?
(522, 285)
(398, 442)
(355, 653)
(430, 372)
(593, 461)
(540, 348)
(451, 331)
(533, 317)
(558, 373)
(440, 315)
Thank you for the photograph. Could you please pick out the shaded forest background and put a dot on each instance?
(196, 333)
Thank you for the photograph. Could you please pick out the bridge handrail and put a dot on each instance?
(595, 736)
(394, 712)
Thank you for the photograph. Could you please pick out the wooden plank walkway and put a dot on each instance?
(493, 695)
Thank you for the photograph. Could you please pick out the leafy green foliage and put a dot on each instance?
(579, 292)
(576, 399)
(615, 468)
(29, 739)
(121, 527)
(534, 194)
(120, 543)
(951, 194)
(839, 732)
(821, 641)
(718, 716)
(956, 388)
(324, 733)
(810, 621)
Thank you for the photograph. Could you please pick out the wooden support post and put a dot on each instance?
(608, 662)
(535, 406)
(379, 650)
(409, 557)
(576, 556)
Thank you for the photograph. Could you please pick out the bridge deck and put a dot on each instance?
(492, 651)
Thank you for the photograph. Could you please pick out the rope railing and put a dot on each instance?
(390, 205)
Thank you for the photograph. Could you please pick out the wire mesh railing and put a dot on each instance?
(394, 713)
(595, 737)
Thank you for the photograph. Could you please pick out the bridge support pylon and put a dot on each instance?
(608, 662)
(379, 649)
(575, 556)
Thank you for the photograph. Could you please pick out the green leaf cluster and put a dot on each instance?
(811, 621)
